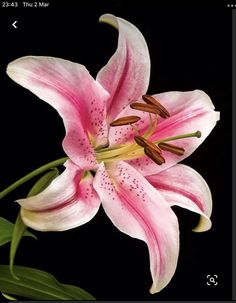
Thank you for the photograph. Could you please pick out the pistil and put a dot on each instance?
(196, 134)
(142, 145)
(133, 150)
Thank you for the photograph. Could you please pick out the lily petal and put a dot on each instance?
(69, 201)
(190, 112)
(182, 186)
(126, 75)
(125, 133)
(77, 97)
(136, 208)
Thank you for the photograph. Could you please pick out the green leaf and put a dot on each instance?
(8, 297)
(20, 227)
(6, 229)
(43, 182)
(38, 285)
(31, 175)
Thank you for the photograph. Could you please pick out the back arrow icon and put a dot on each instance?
(14, 24)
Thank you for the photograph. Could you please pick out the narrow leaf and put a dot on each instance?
(6, 231)
(8, 297)
(20, 227)
(38, 285)
(43, 182)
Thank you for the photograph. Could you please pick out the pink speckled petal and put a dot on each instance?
(125, 133)
(136, 208)
(77, 97)
(126, 75)
(190, 112)
(182, 186)
(69, 201)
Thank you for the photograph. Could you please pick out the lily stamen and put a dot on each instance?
(152, 101)
(154, 155)
(152, 127)
(145, 107)
(109, 166)
(144, 143)
(124, 151)
(125, 121)
(172, 148)
(136, 130)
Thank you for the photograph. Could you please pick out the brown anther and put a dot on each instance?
(140, 140)
(145, 107)
(151, 100)
(154, 155)
(125, 120)
(172, 148)
(144, 142)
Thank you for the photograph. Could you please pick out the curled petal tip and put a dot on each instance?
(129, 67)
(158, 286)
(203, 225)
(9, 68)
(153, 290)
(69, 201)
(109, 19)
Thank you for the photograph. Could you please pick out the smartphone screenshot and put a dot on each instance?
(116, 151)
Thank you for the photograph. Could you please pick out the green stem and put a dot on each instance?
(31, 175)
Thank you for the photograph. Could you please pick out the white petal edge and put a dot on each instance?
(183, 186)
(68, 202)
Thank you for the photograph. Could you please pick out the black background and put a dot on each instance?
(190, 48)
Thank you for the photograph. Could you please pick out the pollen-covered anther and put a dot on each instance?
(172, 148)
(145, 107)
(154, 155)
(144, 142)
(152, 101)
(125, 121)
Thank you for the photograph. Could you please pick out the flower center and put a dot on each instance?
(142, 144)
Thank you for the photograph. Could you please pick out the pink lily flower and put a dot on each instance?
(116, 140)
